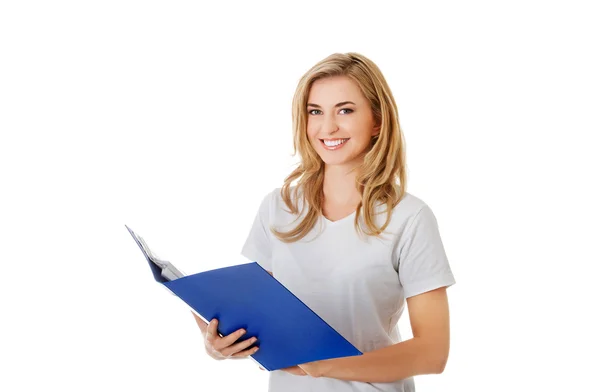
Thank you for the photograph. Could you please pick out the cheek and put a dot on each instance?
(311, 131)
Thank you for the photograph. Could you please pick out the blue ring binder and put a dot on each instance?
(246, 296)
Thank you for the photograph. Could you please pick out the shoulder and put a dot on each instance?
(278, 213)
(410, 204)
(272, 199)
(272, 202)
(415, 219)
(409, 207)
(409, 210)
(275, 200)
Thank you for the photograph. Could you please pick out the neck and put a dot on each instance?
(339, 185)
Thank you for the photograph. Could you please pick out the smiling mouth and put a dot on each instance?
(333, 144)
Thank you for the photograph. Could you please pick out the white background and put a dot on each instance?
(175, 118)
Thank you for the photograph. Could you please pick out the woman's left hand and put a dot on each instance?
(295, 370)
(311, 368)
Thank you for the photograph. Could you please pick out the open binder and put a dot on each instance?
(246, 296)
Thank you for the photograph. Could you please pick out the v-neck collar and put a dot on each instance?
(331, 223)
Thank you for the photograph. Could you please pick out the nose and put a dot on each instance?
(329, 124)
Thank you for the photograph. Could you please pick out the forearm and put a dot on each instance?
(402, 360)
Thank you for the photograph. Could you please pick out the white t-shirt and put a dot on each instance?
(356, 284)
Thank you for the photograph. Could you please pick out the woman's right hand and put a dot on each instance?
(225, 347)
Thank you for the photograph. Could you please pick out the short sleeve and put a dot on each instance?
(258, 243)
(422, 264)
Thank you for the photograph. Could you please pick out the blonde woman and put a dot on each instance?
(349, 241)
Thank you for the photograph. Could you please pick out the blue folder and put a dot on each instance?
(246, 296)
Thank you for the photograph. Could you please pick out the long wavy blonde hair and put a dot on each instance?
(380, 178)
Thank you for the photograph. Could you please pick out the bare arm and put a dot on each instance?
(426, 353)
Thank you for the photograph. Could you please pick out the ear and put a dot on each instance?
(376, 130)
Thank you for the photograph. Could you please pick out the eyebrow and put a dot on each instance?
(337, 105)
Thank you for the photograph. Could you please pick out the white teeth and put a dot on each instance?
(334, 143)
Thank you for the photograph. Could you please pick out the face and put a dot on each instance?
(340, 121)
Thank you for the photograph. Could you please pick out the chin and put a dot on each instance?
(336, 162)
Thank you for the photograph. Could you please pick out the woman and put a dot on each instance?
(349, 241)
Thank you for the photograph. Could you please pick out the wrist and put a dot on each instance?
(326, 366)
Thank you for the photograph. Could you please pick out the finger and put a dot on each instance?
(210, 350)
(245, 353)
(239, 346)
(211, 330)
(295, 370)
(298, 372)
(224, 342)
(211, 338)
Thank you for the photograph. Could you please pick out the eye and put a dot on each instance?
(317, 110)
